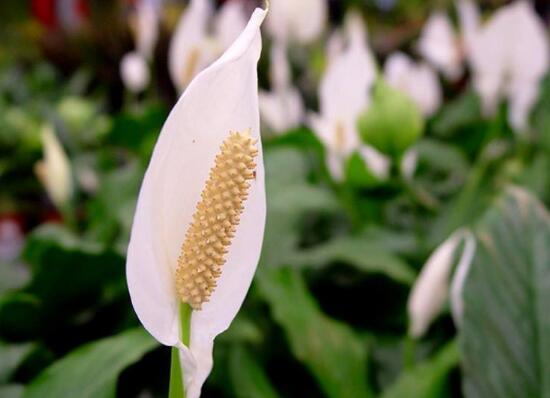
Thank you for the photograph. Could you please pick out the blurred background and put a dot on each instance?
(388, 126)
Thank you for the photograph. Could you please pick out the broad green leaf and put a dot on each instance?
(68, 276)
(11, 391)
(91, 371)
(289, 197)
(331, 350)
(111, 220)
(427, 379)
(247, 376)
(505, 332)
(357, 252)
(11, 356)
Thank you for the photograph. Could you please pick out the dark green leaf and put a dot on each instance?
(91, 370)
(427, 379)
(331, 350)
(357, 252)
(247, 376)
(11, 391)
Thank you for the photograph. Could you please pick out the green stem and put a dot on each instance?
(177, 388)
(409, 348)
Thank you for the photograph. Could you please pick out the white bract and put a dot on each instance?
(509, 57)
(300, 21)
(281, 108)
(54, 171)
(146, 27)
(222, 99)
(418, 81)
(134, 72)
(134, 68)
(194, 46)
(343, 96)
(444, 49)
(431, 289)
(439, 45)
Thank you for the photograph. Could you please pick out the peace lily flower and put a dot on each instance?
(193, 46)
(146, 27)
(199, 220)
(431, 289)
(343, 96)
(418, 81)
(297, 21)
(444, 49)
(55, 170)
(134, 72)
(282, 108)
(134, 68)
(509, 57)
(439, 45)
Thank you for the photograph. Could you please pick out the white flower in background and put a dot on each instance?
(199, 221)
(418, 81)
(469, 19)
(281, 108)
(54, 171)
(134, 68)
(431, 289)
(343, 96)
(439, 45)
(300, 21)
(134, 72)
(444, 49)
(509, 57)
(194, 46)
(146, 27)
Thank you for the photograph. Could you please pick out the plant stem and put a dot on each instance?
(177, 388)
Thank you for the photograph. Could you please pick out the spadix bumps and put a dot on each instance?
(215, 220)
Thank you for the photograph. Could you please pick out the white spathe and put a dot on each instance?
(509, 57)
(193, 46)
(431, 289)
(417, 80)
(222, 98)
(300, 21)
(147, 27)
(281, 108)
(344, 93)
(134, 72)
(54, 171)
(438, 44)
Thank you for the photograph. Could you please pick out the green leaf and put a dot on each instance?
(111, 220)
(357, 252)
(69, 276)
(358, 174)
(331, 350)
(11, 391)
(392, 123)
(427, 379)
(505, 333)
(91, 371)
(289, 197)
(247, 376)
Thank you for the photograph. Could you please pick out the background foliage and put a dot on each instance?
(326, 314)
